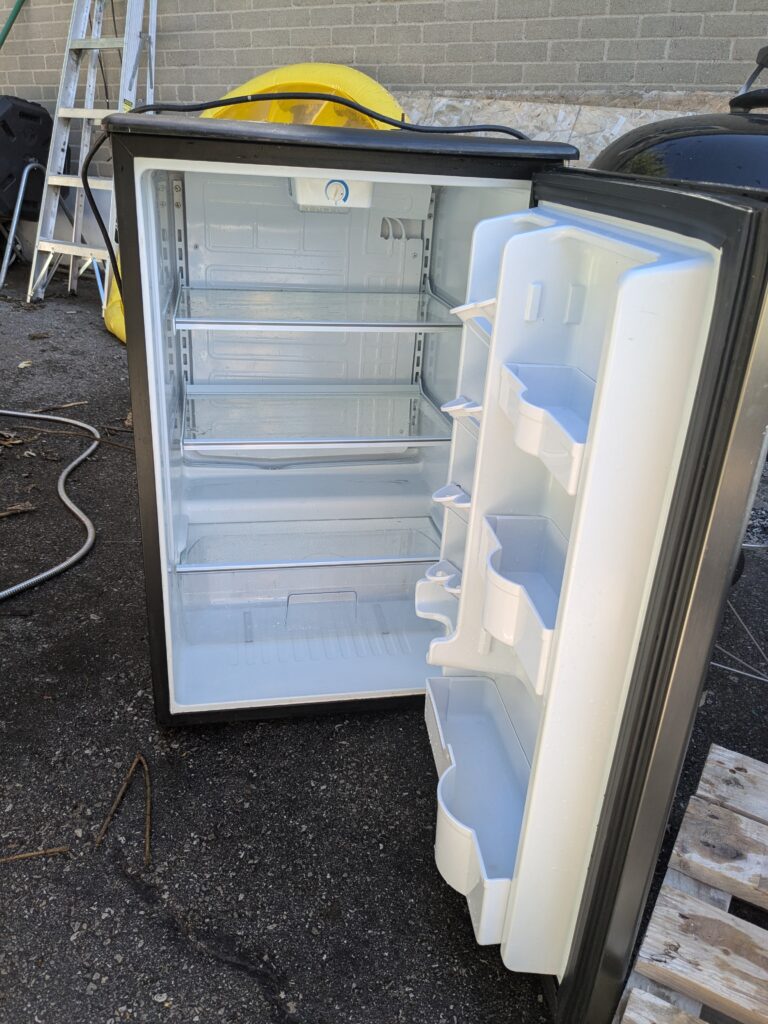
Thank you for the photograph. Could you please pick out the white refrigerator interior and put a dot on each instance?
(432, 434)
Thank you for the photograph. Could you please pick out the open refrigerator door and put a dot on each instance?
(588, 343)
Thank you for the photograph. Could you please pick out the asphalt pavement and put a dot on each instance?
(292, 875)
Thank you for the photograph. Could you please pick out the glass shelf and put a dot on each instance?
(228, 309)
(217, 547)
(309, 418)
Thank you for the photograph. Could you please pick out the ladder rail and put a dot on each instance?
(149, 87)
(82, 54)
(57, 153)
(149, 92)
(97, 20)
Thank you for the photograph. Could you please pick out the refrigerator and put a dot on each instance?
(439, 418)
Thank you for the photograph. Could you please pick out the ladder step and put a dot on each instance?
(100, 43)
(86, 252)
(73, 181)
(77, 106)
(86, 113)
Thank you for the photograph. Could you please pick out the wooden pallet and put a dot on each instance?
(645, 1008)
(696, 956)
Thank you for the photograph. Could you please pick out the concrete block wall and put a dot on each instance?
(595, 51)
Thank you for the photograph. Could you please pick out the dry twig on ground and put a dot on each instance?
(139, 759)
(52, 851)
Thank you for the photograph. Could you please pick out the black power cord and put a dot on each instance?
(101, 139)
(343, 101)
(257, 97)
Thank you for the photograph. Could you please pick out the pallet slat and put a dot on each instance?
(667, 995)
(708, 955)
(737, 782)
(644, 1008)
(685, 883)
(725, 850)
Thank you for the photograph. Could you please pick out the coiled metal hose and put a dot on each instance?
(71, 506)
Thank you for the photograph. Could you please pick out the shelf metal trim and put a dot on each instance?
(336, 444)
(195, 567)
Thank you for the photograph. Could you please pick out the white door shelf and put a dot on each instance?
(453, 496)
(480, 796)
(550, 407)
(481, 315)
(436, 602)
(237, 309)
(216, 547)
(447, 575)
(525, 560)
(465, 409)
(485, 309)
(279, 418)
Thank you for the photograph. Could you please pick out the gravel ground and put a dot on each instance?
(292, 877)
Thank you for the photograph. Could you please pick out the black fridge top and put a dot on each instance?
(195, 130)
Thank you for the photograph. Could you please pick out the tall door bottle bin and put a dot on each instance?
(486, 433)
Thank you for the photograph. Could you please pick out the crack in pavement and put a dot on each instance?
(225, 949)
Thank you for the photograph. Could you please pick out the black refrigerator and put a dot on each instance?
(439, 418)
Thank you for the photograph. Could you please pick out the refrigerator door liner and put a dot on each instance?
(545, 564)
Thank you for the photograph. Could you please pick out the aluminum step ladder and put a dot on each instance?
(84, 45)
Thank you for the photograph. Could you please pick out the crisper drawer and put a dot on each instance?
(300, 603)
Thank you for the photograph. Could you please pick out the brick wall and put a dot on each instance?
(598, 50)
